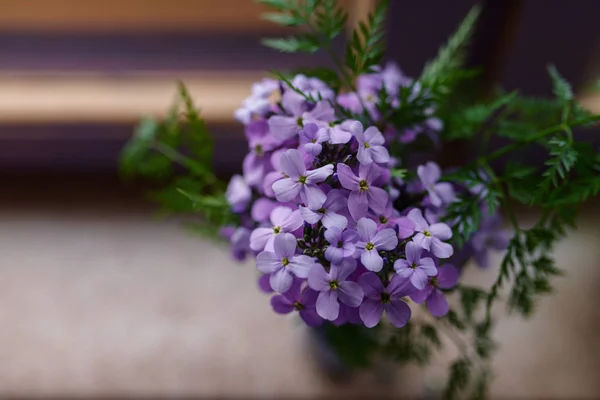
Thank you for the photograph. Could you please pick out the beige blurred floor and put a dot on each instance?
(109, 300)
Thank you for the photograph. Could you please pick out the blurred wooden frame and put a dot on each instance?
(91, 96)
(146, 15)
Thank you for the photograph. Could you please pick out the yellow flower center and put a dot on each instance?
(334, 285)
(369, 246)
(302, 179)
(427, 233)
(363, 185)
(385, 297)
(285, 261)
(298, 306)
(367, 145)
(276, 229)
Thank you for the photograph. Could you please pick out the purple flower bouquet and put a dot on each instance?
(353, 225)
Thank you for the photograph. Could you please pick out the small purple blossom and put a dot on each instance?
(238, 193)
(303, 301)
(447, 278)
(264, 95)
(370, 146)
(490, 235)
(257, 161)
(430, 237)
(439, 192)
(342, 133)
(388, 299)
(363, 194)
(329, 212)
(415, 268)
(311, 137)
(370, 242)
(300, 181)
(334, 286)
(403, 226)
(341, 244)
(283, 220)
(283, 264)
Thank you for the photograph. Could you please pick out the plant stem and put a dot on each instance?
(184, 161)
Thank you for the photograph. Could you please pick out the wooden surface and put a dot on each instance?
(93, 97)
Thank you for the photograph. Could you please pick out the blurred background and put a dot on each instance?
(99, 297)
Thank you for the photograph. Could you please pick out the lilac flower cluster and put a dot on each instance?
(334, 234)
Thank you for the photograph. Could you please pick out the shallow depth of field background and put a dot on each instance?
(98, 296)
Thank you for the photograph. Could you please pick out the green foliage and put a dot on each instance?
(366, 48)
(460, 374)
(352, 343)
(443, 73)
(412, 344)
(323, 21)
(178, 151)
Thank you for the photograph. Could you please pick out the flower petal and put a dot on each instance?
(279, 215)
(318, 278)
(262, 208)
(399, 287)
(310, 216)
(378, 199)
(358, 205)
(371, 285)
(292, 164)
(422, 241)
(333, 235)
(281, 280)
(286, 189)
(340, 272)
(311, 318)
(419, 279)
(447, 276)
(437, 304)
(263, 283)
(420, 296)
(440, 231)
(281, 305)
(259, 238)
(445, 191)
(427, 265)
(347, 178)
(319, 174)
(364, 154)
(417, 217)
(338, 135)
(283, 128)
(293, 221)
(406, 227)
(369, 172)
(370, 312)
(441, 249)
(413, 252)
(284, 245)
(398, 312)
(312, 196)
(373, 136)
(333, 220)
(336, 200)
(301, 265)
(366, 229)
(350, 293)
(380, 154)
(314, 149)
(371, 260)
(402, 267)
(429, 173)
(327, 305)
(385, 239)
(334, 254)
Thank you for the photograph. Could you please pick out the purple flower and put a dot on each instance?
(300, 181)
(239, 238)
(429, 237)
(380, 298)
(439, 192)
(371, 241)
(257, 160)
(238, 194)
(263, 283)
(328, 213)
(286, 127)
(262, 209)
(283, 220)
(490, 235)
(342, 133)
(341, 244)
(447, 278)
(333, 286)
(312, 87)
(370, 146)
(303, 301)
(403, 226)
(264, 95)
(415, 268)
(283, 264)
(363, 194)
(347, 315)
(311, 137)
